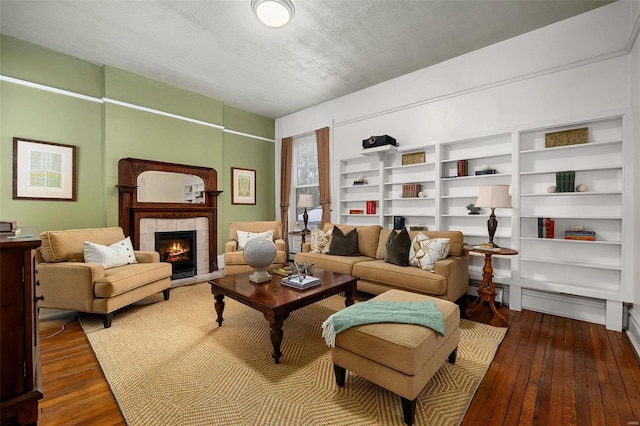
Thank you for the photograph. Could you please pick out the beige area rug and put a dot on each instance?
(168, 363)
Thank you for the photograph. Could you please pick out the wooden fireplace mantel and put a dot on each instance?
(131, 211)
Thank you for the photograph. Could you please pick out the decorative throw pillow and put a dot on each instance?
(117, 254)
(320, 240)
(244, 237)
(397, 248)
(343, 245)
(425, 252)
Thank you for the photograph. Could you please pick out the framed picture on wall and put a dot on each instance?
(43, 170)
(243, 186)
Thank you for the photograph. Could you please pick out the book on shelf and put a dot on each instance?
(546, 227)
(410, 190)
(580, 235)
(463, 168)
(565, 181)
(356, 211)
(296, 282)
(371, 207)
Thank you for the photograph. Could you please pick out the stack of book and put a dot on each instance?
(546, 227)
(371, 207)
(356, 211)
(360, 181)
(9, 229)
(463, 168)
(580, 235)
(410, 190)
(296, 282)
(565, 181)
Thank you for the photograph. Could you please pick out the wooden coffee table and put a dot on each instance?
(277, 301)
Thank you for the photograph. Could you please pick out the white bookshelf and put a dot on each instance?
(354, 196)
(456, 192)
(589, 269)
(591, 273)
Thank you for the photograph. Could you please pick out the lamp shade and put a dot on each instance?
(273, 13)
(305, 200)
(494, 196)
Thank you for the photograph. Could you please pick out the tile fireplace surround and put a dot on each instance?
(149, 227)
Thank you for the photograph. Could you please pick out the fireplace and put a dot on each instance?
(141, 219)
(179, 249)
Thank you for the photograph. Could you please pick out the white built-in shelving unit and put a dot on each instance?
(547, 270)
(355, 196)
(457, 192)
(589, 269)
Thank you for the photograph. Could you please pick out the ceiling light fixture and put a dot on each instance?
(273, 13)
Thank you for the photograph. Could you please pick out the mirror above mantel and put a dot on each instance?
(169, 187)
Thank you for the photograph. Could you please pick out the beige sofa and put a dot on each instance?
(67, 282)
(449, 280)
(234, 262)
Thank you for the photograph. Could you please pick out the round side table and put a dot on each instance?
(487, 291)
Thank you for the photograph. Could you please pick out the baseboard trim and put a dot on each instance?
(633, 329)
(562, 305)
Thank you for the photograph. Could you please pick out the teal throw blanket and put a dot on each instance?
(424, 313)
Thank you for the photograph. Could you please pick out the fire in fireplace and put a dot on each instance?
(179, 249)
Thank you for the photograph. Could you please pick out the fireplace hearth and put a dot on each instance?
(179, 249)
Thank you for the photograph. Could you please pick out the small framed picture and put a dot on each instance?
(243, 186)
(43, 170)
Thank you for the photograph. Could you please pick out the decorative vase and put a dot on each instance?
(259, 253)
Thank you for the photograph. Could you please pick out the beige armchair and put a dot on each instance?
(67, 282)
(234, 262)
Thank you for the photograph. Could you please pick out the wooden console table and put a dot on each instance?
(487, 291)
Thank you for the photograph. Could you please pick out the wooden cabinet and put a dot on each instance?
(19, 361)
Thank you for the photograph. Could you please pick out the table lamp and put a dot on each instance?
(493, 197)
(305, 200)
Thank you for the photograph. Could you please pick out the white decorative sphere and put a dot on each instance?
(581, 188)
(259, 253)
(551, 189)
(422, 194)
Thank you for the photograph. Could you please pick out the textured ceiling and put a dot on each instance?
(330, 48)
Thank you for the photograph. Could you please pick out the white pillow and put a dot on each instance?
(117, 254)
(425, 252)
(320, 240)
(244, 237)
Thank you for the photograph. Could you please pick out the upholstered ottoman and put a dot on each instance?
(401, 358)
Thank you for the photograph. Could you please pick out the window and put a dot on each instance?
(305, 179)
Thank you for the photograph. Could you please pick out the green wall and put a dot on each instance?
(106, 132)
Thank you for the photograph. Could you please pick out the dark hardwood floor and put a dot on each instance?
(547, 371)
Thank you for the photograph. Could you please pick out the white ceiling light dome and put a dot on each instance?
(273, 13)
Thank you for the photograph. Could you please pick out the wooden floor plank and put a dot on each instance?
(548, 370)
(568, 376)
(581, 339)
